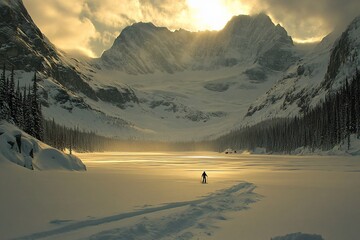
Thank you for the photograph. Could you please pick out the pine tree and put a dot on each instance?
(12, 98)
(19, 107)
(2, 93)
(36, 111)
(4, 107)
(28, 117)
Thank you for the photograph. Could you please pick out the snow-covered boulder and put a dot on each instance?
(229, 151)
(24, 150)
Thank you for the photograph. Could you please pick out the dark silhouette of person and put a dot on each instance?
(204, 176)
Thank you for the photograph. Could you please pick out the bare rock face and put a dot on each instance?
(144, 48)
(324, 70)
(23, 44)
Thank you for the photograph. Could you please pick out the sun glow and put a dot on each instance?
(211, 14)
(308, 40)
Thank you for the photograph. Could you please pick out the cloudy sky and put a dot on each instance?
(90, 26)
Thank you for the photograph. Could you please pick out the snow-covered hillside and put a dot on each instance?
(307, 82)
(17, 147)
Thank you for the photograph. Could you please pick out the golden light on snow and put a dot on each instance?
(212, 14)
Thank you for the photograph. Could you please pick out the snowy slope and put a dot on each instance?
(22, 149)
(306, 83)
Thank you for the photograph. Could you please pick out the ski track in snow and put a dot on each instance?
(199, 214)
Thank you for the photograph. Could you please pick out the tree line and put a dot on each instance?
(21, 106)
(74, 138)
(330, 123)
(62, 138)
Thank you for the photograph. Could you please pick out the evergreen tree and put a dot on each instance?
(330, 123)
(36, 111)
(19, 107)
(2, 93)
(4, 107)
(27, 112)
(12, 98)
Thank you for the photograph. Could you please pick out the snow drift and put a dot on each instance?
(22, 149)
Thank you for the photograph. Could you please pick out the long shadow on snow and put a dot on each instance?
(234, 198)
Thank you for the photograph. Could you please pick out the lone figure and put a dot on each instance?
(204, 176)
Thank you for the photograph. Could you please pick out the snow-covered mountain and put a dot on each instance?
(154, 83)
(23, 44)
(307, 82)
(64, 81)
(144, 48)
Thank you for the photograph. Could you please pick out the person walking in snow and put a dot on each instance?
(204, 176)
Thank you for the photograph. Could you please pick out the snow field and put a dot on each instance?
(134, 196)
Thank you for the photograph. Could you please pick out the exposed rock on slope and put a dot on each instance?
(144, 48)
(308, 81)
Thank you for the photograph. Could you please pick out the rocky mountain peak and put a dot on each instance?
(19, 36)
(26, 48)
(245, 21)
(144, 48)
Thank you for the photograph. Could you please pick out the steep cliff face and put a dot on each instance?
(23, 44)
(144, 48)
(307, 82)
(345, 57)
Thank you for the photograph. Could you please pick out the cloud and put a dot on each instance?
(60, 22)
(308, 19)
(92, 25)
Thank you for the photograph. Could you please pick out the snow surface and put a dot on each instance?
(185, 96)
(134, 196)
(44, 156)
(205, 103)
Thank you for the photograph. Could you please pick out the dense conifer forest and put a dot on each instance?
(62, 138)
(21, 106)
(330, 123)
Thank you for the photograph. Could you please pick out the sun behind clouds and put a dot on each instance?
(211, 14)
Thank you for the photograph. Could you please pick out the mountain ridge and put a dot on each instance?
(144, 48)
(323, 71)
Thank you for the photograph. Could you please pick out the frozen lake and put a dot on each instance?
(159, 196)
